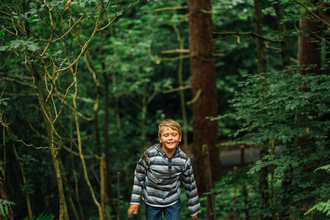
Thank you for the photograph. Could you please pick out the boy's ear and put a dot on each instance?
(160, 140)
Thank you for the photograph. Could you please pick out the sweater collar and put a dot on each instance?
(160, 150)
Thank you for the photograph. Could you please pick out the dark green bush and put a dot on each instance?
(287, 117)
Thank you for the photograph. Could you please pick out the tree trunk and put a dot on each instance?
(51, 133)
(107, 141)
(261, 45)
(67, 193)
(285, 205)
(21, 165)
(3, 194)
(285, 49)
(309, 52)
(203, 83)
(80, 149)
(97, 132)
(262, 67)
(309, 60)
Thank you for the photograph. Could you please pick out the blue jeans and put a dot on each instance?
(172, 212)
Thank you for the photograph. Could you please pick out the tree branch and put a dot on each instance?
(195, 98)
(315, 15)
(178, 89)
(170, 8)
(246, 33)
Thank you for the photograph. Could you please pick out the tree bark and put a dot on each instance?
(284, 211)
(204, 80)
(106, 141)
(262, 67)
(309, 52)
(285, 49)
(309, 60)
(27, 196)
(67, 193)
(47, 116)
(3, 193)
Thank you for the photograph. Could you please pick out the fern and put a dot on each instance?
(322, 207)
(326, 167)
(42, 216)
(4, 207)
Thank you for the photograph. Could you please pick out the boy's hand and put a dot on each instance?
(133, 208)
(194, 217)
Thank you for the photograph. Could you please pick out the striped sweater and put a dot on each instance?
(159, 178)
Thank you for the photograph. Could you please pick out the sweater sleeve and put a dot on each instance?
(139, 178)
(189, 185)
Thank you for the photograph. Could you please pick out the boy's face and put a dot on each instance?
(169, 138)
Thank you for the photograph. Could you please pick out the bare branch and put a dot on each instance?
(315, 15)
(170, 8)
(77, 154)
(246, 33)
(6, 61)
(21, 141)
(62, 101)
(59, 38)
(178, 89)
(175, 51)
(195, 98)
(172, 58)
(16, 76)
(17, 81)
(151, 97)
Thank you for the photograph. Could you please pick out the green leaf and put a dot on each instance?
(4, 48)
(3, 101)
(326, 167)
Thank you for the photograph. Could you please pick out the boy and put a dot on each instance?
(158, 174)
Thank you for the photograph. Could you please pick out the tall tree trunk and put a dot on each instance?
(51, 133)
(80, 148)
(97, 134)
(262, 67)
(309, 52)
(285, 49)
(261, 45)
(107, 140)
(203, 83)
(309, 60)
(67, 193)
(27, 196)
(285, 205)
(3, 193)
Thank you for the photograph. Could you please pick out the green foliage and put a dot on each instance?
(4, 207)
(127, 53)
(42, 216)
(4, 102)
(28, 187)
(271, 112)
(323, 207)
(24, 44)
(275, 112)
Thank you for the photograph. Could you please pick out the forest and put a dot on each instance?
(84, 85)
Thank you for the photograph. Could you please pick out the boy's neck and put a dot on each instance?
(169, 153)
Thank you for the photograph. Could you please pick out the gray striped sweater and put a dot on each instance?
(159, 178)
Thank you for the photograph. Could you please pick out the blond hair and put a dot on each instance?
(169, 123)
